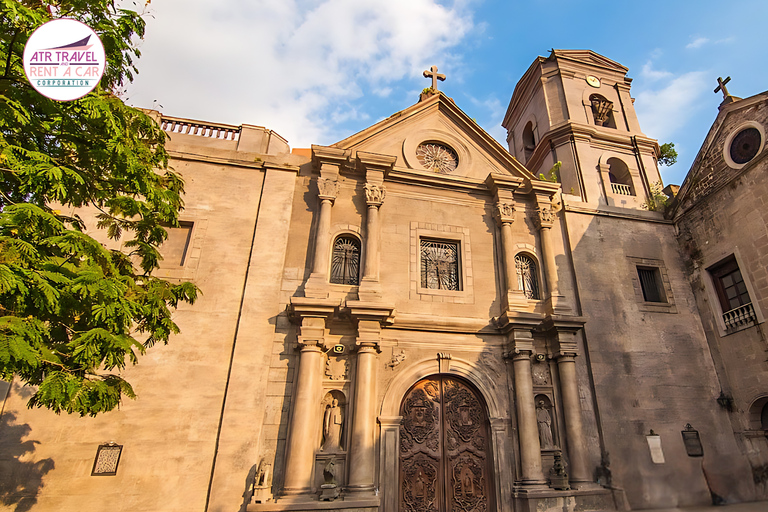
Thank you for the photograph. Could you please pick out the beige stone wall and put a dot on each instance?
(651, 366)
(724, 216)
(169, 434)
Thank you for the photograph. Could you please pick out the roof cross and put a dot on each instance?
(721, 86)
(435, 76)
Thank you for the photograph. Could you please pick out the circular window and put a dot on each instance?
(437, 157)
(745, 145)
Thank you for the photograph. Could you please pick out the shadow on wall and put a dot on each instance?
(21, 477)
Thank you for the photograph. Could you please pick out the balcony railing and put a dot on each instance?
(739, 317)
(619, 188)
(209, 130)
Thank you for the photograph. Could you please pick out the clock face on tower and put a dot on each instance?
(593, 81)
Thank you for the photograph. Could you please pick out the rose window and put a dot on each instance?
(437, 157)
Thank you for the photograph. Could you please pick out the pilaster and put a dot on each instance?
(312, 316)
(369, 319)
(563, 334)
(376, 167)
(503, 189)
(544, 220)
(328, 162)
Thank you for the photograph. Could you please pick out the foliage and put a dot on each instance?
(657, 201)
(667, 154)
(552, 175)
(73, 312)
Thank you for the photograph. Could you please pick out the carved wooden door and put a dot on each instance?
(444, 449)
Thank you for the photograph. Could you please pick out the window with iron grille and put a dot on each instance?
(526, 276)
(650, 282)
(730, 286)
(440, 268)
(345, 263)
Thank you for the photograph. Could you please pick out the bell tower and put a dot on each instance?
(575, 107)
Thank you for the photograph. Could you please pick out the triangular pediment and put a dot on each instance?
(438, 121)
(712, 169)
(589, 58)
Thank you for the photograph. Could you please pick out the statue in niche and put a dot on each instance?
(332, 423)
(544, 419)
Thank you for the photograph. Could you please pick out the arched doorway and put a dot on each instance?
(445, 457)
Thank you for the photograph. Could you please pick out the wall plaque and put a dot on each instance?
(692, 442)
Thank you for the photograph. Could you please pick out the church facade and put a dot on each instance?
(417, 318)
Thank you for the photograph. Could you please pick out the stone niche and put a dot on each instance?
(333, 439)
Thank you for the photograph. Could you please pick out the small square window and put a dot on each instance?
(653, 291)
(650, 283)
(440, 265)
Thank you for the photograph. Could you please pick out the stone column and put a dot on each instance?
(527, 427)
(305, 419)
(361, 443)
(328, 161)
(545, 219)
(574, 429)
(504, 215)
(374, 198)
(362, 458)
(376, 168)
(564, 344)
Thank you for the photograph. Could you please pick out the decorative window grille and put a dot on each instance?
(345, 263)
(440, 265)
(107, 459)
(526, 276)
(650, 282)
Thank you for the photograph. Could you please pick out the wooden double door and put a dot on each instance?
(445, 461)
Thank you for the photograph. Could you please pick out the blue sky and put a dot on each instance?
(318, 71)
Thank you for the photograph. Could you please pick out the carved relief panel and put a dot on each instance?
(444, 448)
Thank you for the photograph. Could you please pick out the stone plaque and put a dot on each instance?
(692, 442)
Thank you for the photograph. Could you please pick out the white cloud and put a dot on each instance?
(290, 65)
(664, 111)
(651, 74)
(697, 43)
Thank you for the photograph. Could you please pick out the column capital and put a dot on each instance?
(327, 188)
(374, 194)
(544, 217)
(504, 213)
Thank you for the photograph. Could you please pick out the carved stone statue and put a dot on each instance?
(330, 487)
(332, 423)
(544, 419)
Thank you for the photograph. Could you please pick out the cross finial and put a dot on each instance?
(721, 86)
(435, 76)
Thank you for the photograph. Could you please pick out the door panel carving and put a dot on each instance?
(444, 455)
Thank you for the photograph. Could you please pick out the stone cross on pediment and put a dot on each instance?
(435, 76)
(721, 86)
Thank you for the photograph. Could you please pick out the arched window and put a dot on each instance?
(345, 263)
(526, 276)
(621, 180)
(529, 140)
(602, 110)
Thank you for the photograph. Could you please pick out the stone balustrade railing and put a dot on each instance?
(200, 129)
(618, 188)
(739, 317)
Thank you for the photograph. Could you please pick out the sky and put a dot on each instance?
(318, 71)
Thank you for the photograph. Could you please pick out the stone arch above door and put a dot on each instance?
(477, 375)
